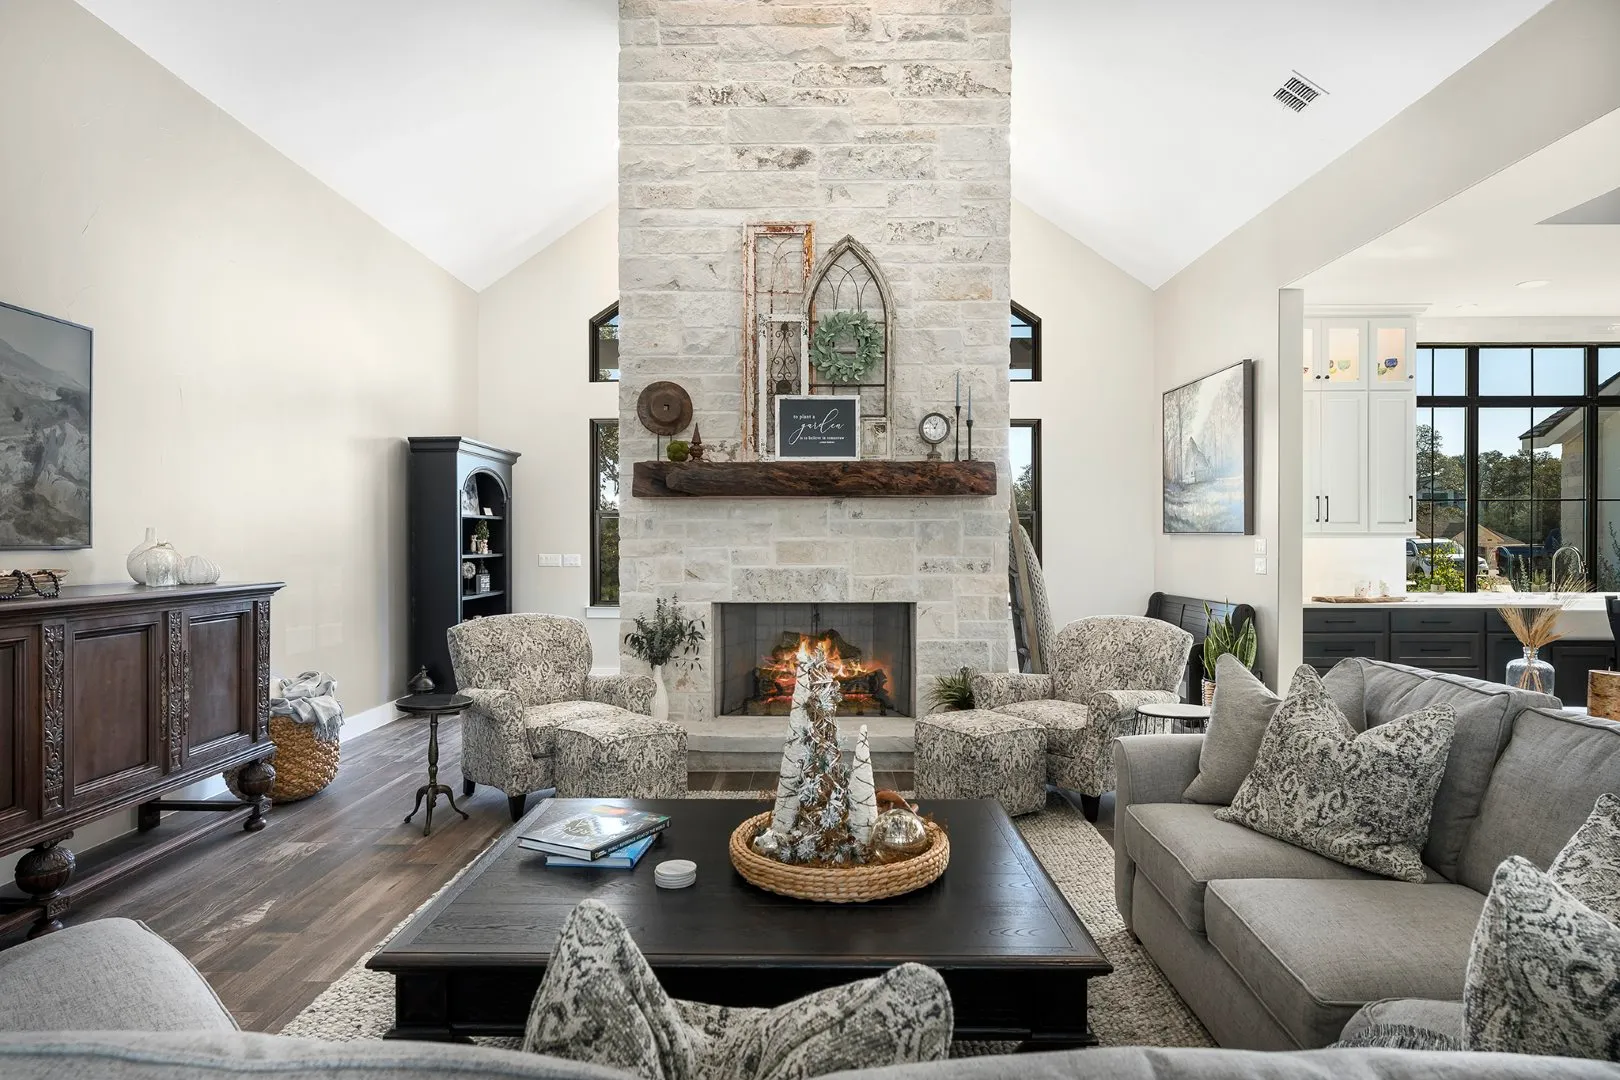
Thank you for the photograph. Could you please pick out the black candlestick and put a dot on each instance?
(970, 437)
(956, 430)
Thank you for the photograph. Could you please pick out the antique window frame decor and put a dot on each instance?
(847, 278)
(777, 256)
(598, 321)
(1180, 454)
(833, 401)
(50, 350)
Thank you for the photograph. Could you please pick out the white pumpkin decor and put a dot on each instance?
(158, 566)
(198, 570)
(133, 562)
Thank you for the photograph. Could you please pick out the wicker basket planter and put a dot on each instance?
(836, 884)
(304, 764)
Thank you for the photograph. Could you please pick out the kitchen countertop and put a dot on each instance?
(1585, 615)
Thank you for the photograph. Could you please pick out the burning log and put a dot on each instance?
(865, 688)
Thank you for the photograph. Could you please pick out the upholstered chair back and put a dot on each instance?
(540, 658)
(1118, 652)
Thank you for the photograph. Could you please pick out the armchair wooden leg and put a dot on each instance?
(1090, 805)
(517, 803)
(467, 787)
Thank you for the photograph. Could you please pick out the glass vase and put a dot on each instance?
(1530, 673)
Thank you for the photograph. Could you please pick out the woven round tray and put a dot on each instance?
(303, 763)
(836, 884)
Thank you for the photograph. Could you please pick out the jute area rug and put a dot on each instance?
(1134, 1006)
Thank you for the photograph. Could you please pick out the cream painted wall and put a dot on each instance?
(1521, 328)
(535, 397)
(1095, 400)
(262, 347)
(1226, 306)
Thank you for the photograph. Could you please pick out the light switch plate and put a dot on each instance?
(1259, 566)
(1259, 545)
(551, 560)
(571, 560)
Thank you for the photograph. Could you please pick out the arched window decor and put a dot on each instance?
(849, 299)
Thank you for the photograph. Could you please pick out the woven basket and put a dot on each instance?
(836, 884)
(303, 763)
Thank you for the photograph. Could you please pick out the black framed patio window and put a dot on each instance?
(605, 344)
(1518, 465)
(1024, 447)
(1024, 337)
(605, 512)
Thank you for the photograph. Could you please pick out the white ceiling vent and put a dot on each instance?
(1298, 92)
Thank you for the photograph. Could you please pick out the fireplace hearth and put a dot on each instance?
(870, 646)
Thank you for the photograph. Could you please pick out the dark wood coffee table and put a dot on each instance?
(1015, 956)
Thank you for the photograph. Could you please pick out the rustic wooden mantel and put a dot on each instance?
(814, 479)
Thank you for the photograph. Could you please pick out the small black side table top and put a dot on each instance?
(432, 706)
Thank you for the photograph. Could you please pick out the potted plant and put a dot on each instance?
(953, 692)
(1225, 636)
(668, 636)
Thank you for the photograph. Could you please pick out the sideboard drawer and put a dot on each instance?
(1427, 620)
(1428, 650)
(1346, 621)
(1325, 650)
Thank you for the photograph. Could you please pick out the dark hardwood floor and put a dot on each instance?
(271, 918)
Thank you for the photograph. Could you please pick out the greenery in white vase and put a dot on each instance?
(669, 636)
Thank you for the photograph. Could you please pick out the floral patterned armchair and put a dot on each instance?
(527, 675)
(1102, 669)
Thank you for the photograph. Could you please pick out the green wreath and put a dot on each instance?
(842, 367)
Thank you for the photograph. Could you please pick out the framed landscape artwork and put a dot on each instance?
(44, 431)
(1209, 453)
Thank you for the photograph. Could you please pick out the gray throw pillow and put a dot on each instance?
(601, 1003)
(1543, 971)
(1362, 800)
(1589, 866)
(1237, 722)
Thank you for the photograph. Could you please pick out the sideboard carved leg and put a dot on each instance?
(148, 816)
(255, 781)
(41, 873)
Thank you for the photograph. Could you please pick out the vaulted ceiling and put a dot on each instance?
(481, 130)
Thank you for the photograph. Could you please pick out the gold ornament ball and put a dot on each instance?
(898, 834)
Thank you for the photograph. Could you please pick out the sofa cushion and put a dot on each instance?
(1543, 972)
(109, 975)
(1441, 1017)
(1314, 952)
(1484, 717)
(1181, 848)
(540, 722)
(1543, 787)
(1364, 800)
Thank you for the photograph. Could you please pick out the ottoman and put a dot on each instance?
(628, 756)
(978, 754)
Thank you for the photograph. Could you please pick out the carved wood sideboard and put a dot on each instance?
(111, 695)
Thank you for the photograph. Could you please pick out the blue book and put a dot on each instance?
(623, 859)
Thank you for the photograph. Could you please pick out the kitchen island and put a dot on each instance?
(1462, 633)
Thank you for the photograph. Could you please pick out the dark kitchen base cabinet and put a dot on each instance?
(111, 695)
(1463, 641)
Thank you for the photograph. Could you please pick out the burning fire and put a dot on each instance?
(782, 668)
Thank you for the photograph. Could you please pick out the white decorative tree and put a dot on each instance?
(791, 774)
(862, 794)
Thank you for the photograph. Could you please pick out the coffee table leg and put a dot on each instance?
(1062, 1022)
(421, 1010)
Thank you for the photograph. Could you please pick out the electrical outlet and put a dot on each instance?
(551, 560)
(1259, 566)
(1259, 545)
(571, 560)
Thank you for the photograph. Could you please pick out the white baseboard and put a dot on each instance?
(370, 720)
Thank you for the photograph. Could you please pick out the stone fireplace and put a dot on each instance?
(878, 125)
(870, 647)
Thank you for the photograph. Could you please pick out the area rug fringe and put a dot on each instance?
(1135, 1006)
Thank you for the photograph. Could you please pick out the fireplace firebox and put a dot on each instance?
(870, 646)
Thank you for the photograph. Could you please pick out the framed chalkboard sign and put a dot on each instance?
(818, 427)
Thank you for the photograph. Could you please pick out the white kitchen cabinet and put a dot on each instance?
(1350, 354)
(1393, 353)
(1391, 463)
(1342, 452)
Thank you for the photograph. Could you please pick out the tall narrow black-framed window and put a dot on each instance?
(1024, 447)
(1024, 339)
(605, 344)
(605, 512)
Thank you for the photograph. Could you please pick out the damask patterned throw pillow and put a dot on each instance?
(1362, 800)
(1589, 866)
(601, 1003)
(1543, 971)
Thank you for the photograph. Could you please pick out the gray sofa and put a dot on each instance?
(110, 1000)
(1277, 948)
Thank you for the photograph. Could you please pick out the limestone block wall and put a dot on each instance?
(887, 121)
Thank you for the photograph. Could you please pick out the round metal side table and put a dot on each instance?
(1172, 718)
(432, 706)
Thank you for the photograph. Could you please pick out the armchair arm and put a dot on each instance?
(633, 692)
(501, 706)
(993, 689)
(1114, 709)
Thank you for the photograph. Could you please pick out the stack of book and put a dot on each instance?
(604, 836)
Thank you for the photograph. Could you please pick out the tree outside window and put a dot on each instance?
(604, 512)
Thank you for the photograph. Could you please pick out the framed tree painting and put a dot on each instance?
(1209, 453)
(44, 431)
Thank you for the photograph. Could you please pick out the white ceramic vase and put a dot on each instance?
(198, 570)
(660, 701)
(158, 567)
(133, 562)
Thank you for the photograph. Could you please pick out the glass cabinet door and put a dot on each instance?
(1310, 354)
(1392, 355)
(1346, 347)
